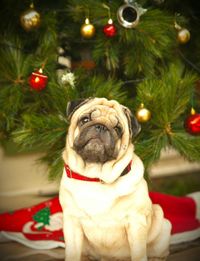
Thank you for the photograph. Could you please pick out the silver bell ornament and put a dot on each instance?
(128, 15)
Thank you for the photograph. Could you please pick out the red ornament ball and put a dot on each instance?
(110, 29)
(192, 124)
(37, 80)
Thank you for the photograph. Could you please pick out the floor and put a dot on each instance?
(16, 251)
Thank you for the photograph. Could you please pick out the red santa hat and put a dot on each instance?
(40, 226)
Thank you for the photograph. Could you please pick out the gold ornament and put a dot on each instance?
(30, 19)
(183, 36)
(143, 114)
(87, 29)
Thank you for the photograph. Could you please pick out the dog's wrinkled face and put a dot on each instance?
(99, 132)
(99, 129)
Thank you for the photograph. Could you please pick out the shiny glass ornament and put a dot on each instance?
(87, 29)
(192, 123)
(30, 19)
(183, 36)
(38, 80)
(143, 114)
(110, 29)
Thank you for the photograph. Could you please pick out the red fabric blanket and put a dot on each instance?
(40, 226)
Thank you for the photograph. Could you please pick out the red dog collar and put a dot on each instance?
(74, 175)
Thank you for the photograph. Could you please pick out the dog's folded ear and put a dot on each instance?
(134, 126)
(72, 106)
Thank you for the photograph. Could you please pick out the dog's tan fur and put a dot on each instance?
(115, 219)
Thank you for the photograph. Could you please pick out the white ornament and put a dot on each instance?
(68, 77)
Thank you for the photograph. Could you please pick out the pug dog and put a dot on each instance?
(107, 212)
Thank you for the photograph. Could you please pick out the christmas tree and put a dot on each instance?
(141, 53)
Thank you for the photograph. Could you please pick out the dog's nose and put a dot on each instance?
(100, 128)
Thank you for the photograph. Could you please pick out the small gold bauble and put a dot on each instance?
(30, 19)
(87, 29)
(183, 36)
(143, 114)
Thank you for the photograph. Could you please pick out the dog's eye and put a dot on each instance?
(84, 120)
(118, 129)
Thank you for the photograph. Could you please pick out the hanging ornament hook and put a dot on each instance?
(32, 5)
(108, 8)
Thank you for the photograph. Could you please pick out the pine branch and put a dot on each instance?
(40, 131)
(168, 98)
(14, 63)
(107, 53)
(55, 162)
(187, 145)
(16, 97)
(149, 149)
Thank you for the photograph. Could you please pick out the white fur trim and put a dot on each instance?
(35, 244)
(185, 236)
(3, 239)
(196, 197)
